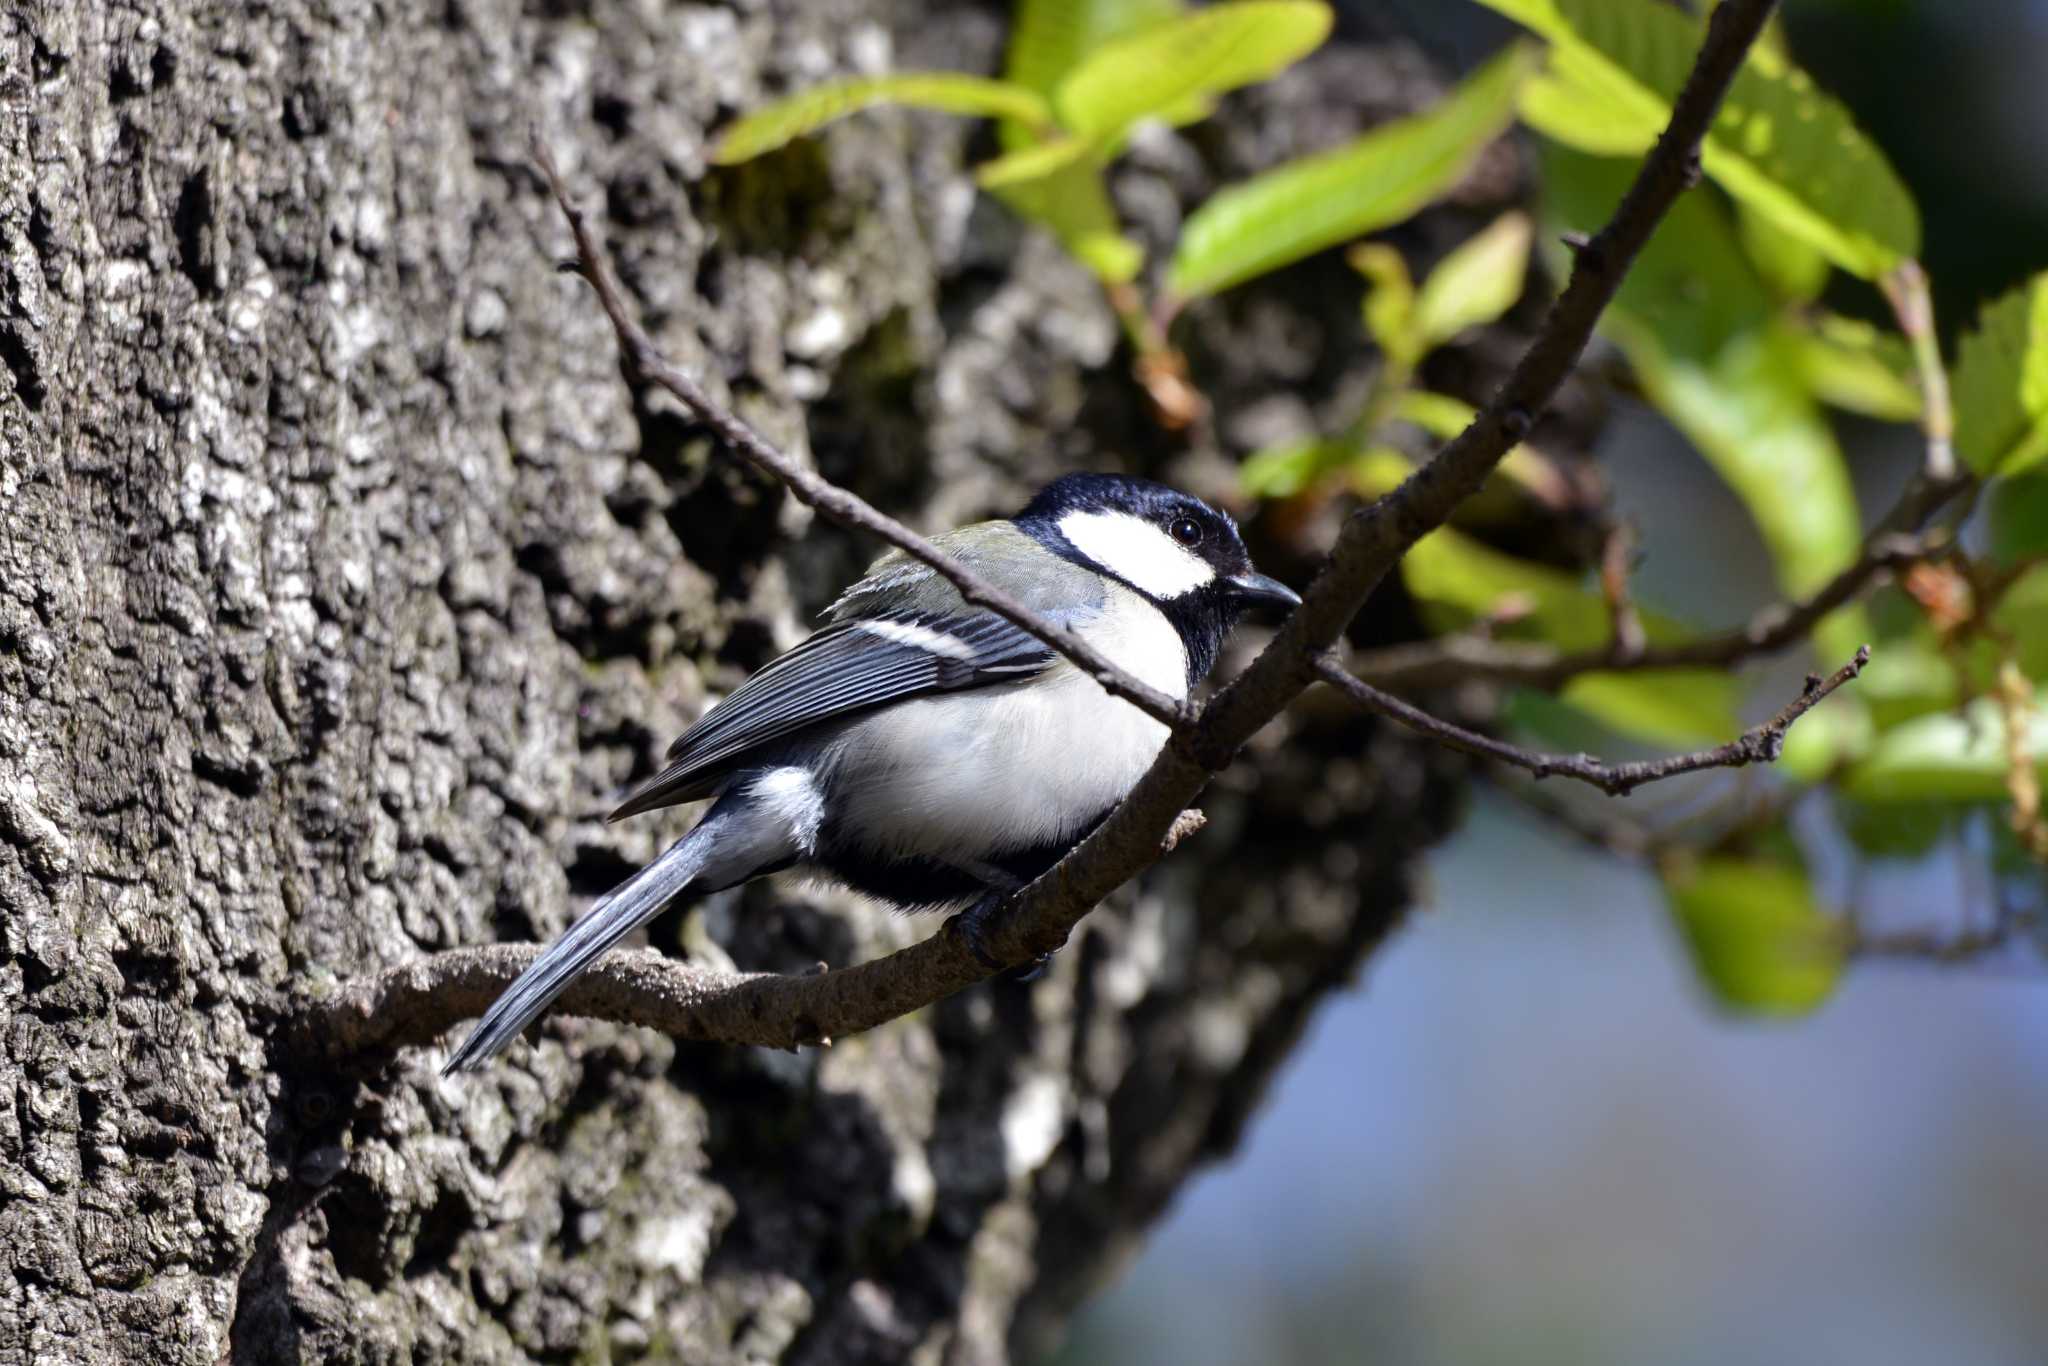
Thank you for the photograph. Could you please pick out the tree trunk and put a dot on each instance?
(342, 585)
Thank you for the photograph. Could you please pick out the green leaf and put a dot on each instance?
(1758, 936)
(1699, 330)
(1381, 178)
(1477, 282)
(1458, 580)
(1907, 677)
(1214, 49)
(1948, 756)
(1389, 306)
(1033, 162)
(1441, 415)
(1075, 205)
(1789, 152)
(1794, 268)
(2017, 514)
(1049, 38)
(1584, 116)
(1748, 414)
(806, 111)
(1660, 706)
(1836, 732)
(1854, 366)
(1902, 830)
(1285, 470)
(2022, 617)
(1691, 286)
(2001, 383)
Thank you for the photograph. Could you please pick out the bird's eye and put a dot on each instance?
(1186, 530)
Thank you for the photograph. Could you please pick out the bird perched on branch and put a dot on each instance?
(926, 751)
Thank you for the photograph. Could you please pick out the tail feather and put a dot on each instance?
(624, 909)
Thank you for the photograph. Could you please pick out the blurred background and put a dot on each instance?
(1529, 1136)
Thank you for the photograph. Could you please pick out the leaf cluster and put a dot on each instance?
(1755, 316)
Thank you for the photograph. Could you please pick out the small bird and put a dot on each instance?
(928, 752)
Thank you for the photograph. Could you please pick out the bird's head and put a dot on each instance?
(1174, 549)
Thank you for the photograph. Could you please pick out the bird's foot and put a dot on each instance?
(974, 924)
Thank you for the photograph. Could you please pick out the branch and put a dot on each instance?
(1896, 542)
(644, 363)
(1906, 288)
(792, 1010)
(417, 1002)
(1616, 558)
(1758, 745)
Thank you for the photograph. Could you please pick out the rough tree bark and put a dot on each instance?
(341, 584)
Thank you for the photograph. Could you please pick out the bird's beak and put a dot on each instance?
(1256, 590)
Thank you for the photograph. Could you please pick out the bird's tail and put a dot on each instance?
(624, 909)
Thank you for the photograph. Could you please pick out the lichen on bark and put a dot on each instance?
(342, 582)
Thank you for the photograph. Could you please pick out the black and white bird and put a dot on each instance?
(928, 752)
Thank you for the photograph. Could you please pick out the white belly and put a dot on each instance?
(978, 774)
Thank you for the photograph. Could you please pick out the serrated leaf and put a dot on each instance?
(1779, 145)
(1378, 179)
(1758, 936)
(1458, 580)
(1748, 414)
(1947, 756)
(1691, 285)
(1214, 49)
(806, 111)
(1700, 332)
(2001, 383)
(1050, 38)
(1477, 282)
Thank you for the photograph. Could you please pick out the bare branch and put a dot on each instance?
(1758, 745)
(644, 363)
(791, 1010)
(1895, 543)
(419, 1001)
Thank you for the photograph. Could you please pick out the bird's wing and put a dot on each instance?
(849, 666)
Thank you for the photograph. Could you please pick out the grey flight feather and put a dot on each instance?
(901, 632)
(621, 911)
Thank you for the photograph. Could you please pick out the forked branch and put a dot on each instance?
(417, 1001)
(1757, 745)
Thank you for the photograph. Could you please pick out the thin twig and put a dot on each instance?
(644, 362)
(1913, 305)
(1758, 745)
(1895, 543)
(1617, 558)
(792, 1010)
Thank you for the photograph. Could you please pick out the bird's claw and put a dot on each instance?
(972, 926)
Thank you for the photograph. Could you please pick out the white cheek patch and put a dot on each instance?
(1137, 552)
(919, 638)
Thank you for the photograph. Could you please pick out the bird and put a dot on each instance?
(927, 752)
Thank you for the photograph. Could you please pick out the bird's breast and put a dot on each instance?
(972, 775)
